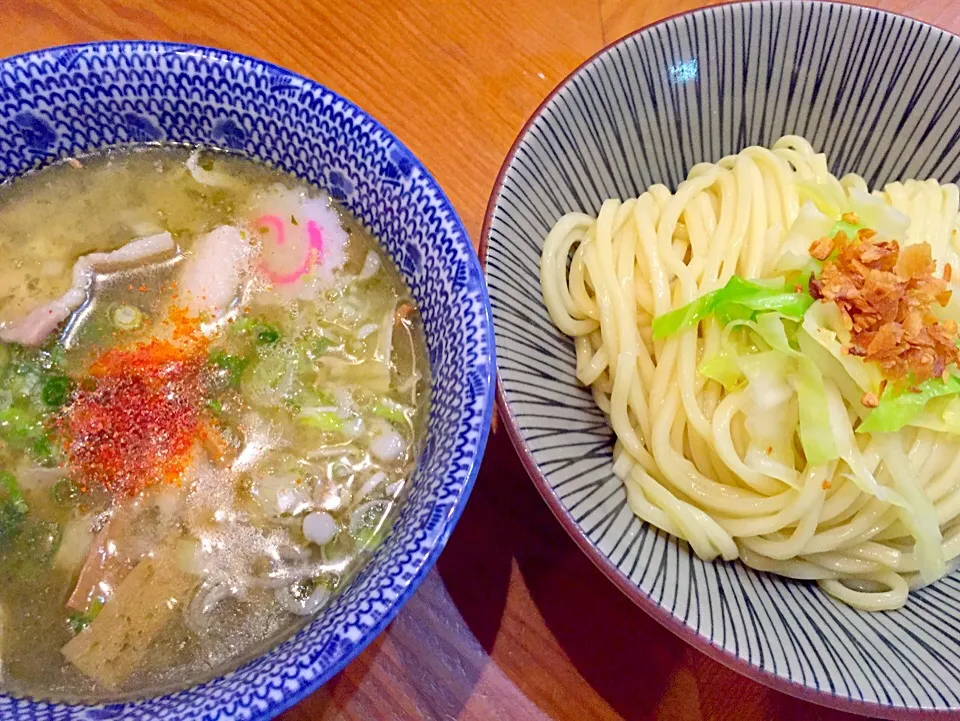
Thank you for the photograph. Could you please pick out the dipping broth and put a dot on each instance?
(213, 389)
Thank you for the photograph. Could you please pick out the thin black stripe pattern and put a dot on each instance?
(877, 93)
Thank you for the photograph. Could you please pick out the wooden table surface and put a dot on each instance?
(514, 623)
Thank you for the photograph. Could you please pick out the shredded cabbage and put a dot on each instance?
(918, 514)
(849, 451)
(815, 434)
(888, 222)
(766, 375)
(723, 369)
(822, 323)
(916, 510)
(941, 415)
(773, 377)
(899, 408)
(810, 225)
(832, 370)
(832, 201)
(848, 229)
(771, 416)
(826, 193)
(738, 299)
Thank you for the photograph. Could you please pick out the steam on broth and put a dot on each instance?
(213, 388)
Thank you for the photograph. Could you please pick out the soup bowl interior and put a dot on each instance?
(877, 93)
(73, 100)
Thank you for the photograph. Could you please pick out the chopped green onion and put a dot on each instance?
(369, 537)
(56, 390)
(127, 317)
(309, 399)
(327, 421)
(267, 335)
(42, 449)
(8, 482)
(301, 590)
(242, 326)
(390, 410)
(13, 507)
(56, 357)
(271, 379)
(232, 365)
(215, 406)
(322, 345)
(79, 621)
(324, 398)
(19, 427)
(368, 523)
(11, 523)
(65, 492)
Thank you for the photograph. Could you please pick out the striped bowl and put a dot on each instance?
(878, 94)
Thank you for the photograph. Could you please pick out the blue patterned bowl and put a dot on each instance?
(64, 101)
(876, 92)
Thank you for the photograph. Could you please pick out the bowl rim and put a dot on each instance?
(569, 524)
(487, 369)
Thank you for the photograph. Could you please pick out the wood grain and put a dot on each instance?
(622, 17)
(454, 81)
(514, 623)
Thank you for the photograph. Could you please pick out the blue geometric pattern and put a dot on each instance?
(878, 93)
(68, 101)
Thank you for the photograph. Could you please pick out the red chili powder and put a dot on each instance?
(137, 424)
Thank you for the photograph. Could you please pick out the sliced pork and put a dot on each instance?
(34, 328)
(211, 278)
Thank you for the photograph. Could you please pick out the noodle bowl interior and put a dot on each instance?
(776, 351)
(213, 390)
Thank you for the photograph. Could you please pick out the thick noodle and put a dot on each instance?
(682, 440)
